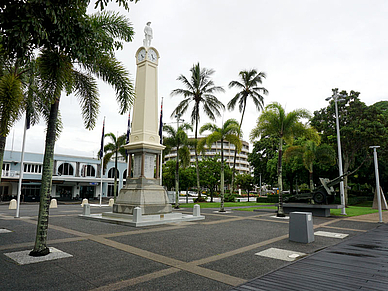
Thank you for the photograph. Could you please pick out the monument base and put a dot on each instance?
(139, 220)
(144, 193)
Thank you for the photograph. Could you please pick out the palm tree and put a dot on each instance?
(229, 131)
(249, 86)
(200, 90)
(58, 72)
(114, 148)
(18, 93)
(274, 121)
(178, 139)
(310, 151)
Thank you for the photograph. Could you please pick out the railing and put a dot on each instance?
(10, 174)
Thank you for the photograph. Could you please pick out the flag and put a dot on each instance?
(161, 123)
(102, 140)
(28, 118)
(128, 129)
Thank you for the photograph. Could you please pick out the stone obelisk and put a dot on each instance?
(143, 187)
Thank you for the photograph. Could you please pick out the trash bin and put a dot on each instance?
(301, 227)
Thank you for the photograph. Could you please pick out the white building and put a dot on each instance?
(73, 177)
(242, 164)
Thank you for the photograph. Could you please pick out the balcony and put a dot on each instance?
(10, 174)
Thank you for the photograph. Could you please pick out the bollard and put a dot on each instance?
(137, 214)
(84, 201)
(111, 202)
(196, 210)
(86, 210)
(53, 203)
(12, 204)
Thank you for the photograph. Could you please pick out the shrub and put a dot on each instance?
(200, 199)
(229, 197)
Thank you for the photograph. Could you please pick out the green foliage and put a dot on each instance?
(245, 181)
(199, 90)
(230, 196)
(361, 126)
(168, 174)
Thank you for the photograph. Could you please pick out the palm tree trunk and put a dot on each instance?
(235, 150)
(280, 180)
(177, 179)
(196, 152)
(2, 147)
(40, 248)
(222, 177)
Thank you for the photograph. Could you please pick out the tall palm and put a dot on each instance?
(114, 148)
(199, 90)
(249, 86)
(229, 131)
(310, 151)
(18, 93)
(178, 139)
(275, 122)
(58, 72)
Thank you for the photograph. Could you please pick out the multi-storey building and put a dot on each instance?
(242, 164)
(73, 177)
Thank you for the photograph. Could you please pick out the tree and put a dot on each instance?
(29, 25)
(168, 174)
(178, 139)
(264, 150)
(249, 85)
(311, 150)
(245, 181)
(18, 94)
(60, 71)
(199, 90)
(360, 125)
(115, 147)
(210, 173)
(230, 132)
(275, 122)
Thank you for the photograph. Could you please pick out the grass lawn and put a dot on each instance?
(353, 211)
(226, 204)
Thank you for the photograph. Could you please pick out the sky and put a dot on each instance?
(305, 47)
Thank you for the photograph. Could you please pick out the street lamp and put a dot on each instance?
(177, 116)
(338, 97)
(378, 193)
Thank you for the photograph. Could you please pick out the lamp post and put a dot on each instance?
(337, 97)
(177, 116)
(378, 193)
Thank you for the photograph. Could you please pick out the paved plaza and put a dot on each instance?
(221, 252)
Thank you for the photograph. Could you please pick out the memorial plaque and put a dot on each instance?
(149, 165)
(137, 166)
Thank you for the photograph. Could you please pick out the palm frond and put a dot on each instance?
(85, 87)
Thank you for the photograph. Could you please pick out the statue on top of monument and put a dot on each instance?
(148, 35)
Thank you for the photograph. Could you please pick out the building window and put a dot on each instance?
(32, 168)
(88, 171)
(111, 173)
(6, 169)
(66, 169)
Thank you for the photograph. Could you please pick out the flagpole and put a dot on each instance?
(127, 142)
(161, 142)
(21, 170)
(102, 158)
